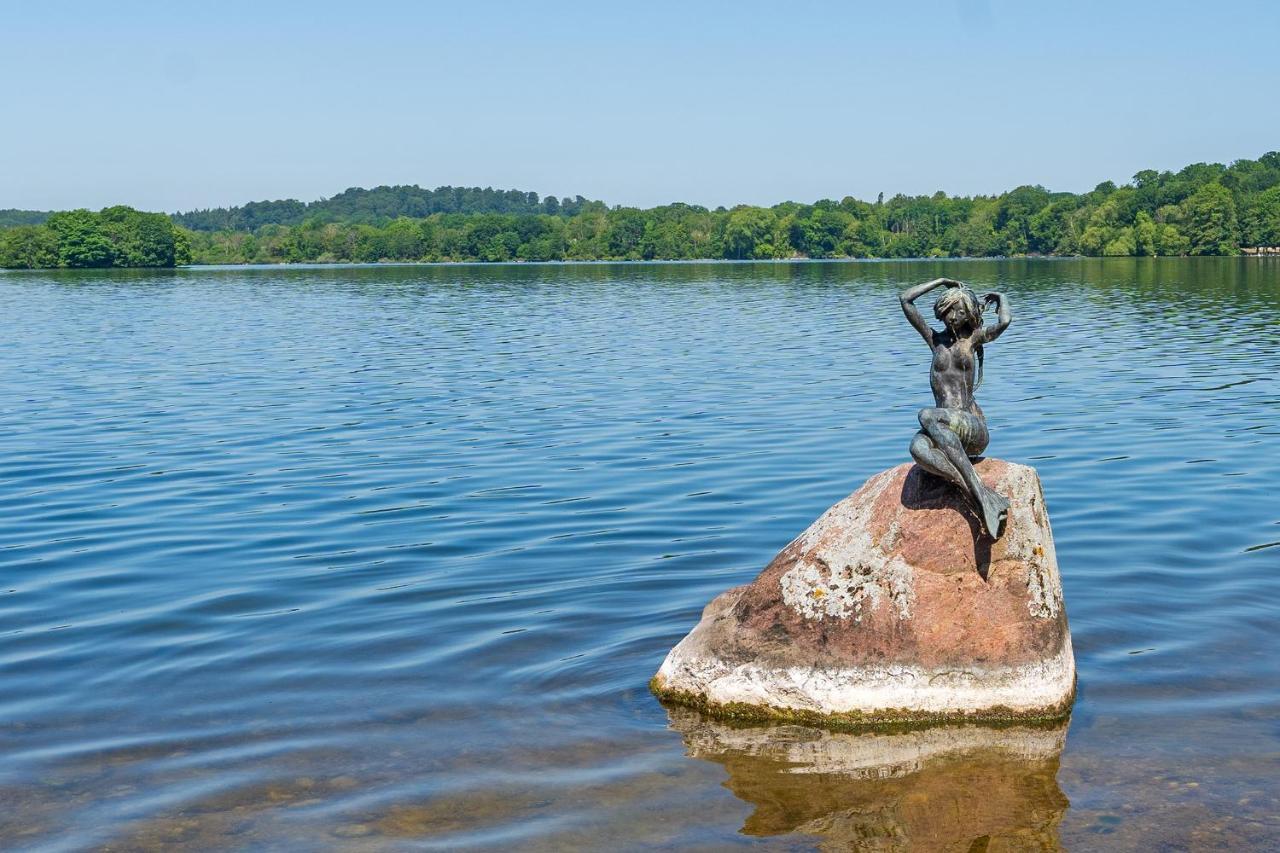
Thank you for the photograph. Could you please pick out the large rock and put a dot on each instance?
(892, 607)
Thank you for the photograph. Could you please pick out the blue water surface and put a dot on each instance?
(383, 557)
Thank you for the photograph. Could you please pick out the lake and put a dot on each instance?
(384, 557)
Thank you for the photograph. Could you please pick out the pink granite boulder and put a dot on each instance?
(892, 607)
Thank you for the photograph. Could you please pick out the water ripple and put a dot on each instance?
(355, 557)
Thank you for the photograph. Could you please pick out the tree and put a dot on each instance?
(666, 238)
(1144, 233)
(1052, 228)
(1170, 241)
(1211, 221)
(625, 231)
(81, 241)
(1122, 244)
(139, 239)
(1014, 215)
(820, 233)
(747, 228)
(28, 247)
(1261, 219)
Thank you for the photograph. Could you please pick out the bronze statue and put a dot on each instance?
(955, 429)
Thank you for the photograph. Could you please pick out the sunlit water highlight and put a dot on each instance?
(384, 557)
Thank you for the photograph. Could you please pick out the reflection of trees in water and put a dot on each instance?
(947, 788)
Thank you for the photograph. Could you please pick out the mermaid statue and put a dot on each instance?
(954, 430)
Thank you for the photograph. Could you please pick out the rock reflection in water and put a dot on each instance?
(946, 788)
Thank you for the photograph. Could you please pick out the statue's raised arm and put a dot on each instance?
(908, 299)
(1003, 316)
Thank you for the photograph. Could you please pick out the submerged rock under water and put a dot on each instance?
(941, 788)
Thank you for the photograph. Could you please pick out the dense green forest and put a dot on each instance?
(115, 237)
(11, 217)
(1204, 209)
(378, 206)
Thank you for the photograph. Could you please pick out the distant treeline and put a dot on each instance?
(379, 206)
(1204, 209)
(115, 237)
(12, 217)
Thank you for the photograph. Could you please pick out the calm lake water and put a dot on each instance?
(383, 558)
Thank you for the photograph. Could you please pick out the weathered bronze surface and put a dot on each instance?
(955, 429)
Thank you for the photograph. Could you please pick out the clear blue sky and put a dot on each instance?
(170, 105)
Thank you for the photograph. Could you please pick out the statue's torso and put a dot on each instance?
(952, 373)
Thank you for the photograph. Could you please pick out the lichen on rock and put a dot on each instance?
(816, 589)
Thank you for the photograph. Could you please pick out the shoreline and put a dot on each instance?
(638, 262)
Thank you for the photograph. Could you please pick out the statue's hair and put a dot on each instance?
(967, 299)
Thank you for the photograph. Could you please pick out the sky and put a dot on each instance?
(170, 106)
